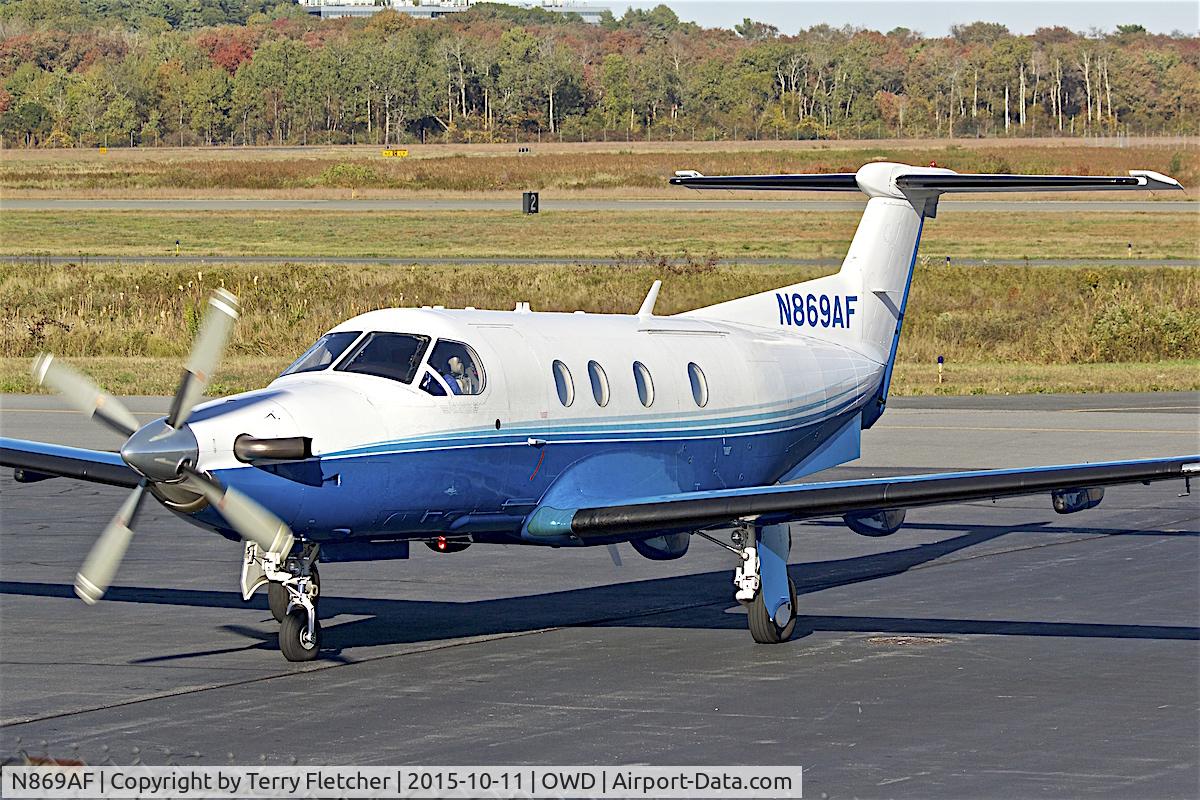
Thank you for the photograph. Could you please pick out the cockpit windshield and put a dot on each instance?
(387, 355)
(323, 353)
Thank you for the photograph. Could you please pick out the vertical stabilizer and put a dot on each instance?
(862, 306)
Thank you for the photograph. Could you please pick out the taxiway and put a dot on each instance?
(985, 650)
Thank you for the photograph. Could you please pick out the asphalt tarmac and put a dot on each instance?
(985, 650)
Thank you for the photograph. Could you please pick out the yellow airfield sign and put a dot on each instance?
(395, 154)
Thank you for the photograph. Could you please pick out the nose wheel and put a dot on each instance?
(297, 641)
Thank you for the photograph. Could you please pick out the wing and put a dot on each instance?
(35, 461)
(691, 511)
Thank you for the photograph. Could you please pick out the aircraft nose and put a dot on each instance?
(156, 450)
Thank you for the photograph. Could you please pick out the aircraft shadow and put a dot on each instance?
(647, 603)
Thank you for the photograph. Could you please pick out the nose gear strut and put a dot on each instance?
(294, 587)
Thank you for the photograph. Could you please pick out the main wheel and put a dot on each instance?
(277, 596)
(294, 641)
(762, 627)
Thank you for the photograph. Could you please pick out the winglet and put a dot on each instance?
(647, 309)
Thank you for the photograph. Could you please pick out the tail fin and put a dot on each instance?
(862, 306)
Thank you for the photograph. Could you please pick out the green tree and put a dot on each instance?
(616, 91)
(208, 97)
(119, 120)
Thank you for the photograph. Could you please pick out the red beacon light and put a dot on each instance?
(442, 544)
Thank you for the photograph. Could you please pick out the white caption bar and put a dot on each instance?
(403, 782)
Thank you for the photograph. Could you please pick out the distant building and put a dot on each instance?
(432, 9)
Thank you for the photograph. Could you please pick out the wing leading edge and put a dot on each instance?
(34, 461)
(691, 511)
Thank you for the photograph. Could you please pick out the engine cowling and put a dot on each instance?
(663, 548)
(875, 523)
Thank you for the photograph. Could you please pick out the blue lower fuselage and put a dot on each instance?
(485, 483)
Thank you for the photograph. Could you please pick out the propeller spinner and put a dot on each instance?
(163, 451)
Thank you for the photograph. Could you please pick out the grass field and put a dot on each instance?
(1001, 329)
(583, 234)
(633, 168)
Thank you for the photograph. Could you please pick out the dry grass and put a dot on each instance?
(583, 234)
(999, 328)
(631, 167)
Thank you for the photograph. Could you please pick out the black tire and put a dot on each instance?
(277, 596)
(292, 632)
(763, 628)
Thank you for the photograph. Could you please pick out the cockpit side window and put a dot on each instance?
(458, 367)
(323, 353)
(387, 355)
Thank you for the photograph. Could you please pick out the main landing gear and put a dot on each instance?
(293, 590)
(762, 582)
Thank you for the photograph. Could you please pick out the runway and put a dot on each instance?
(985, 650)
(512, 202)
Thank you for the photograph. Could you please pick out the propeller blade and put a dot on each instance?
(78, 390)
(94, 577)
(210, 342)
(253, 522)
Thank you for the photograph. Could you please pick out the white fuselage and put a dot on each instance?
(427, 461)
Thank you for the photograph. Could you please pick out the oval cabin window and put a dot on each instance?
(599, 383)
(645, 384)
(699, 384)
(563, 383)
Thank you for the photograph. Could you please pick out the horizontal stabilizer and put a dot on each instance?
(832, 182)
(1137, 179)
(898, 180)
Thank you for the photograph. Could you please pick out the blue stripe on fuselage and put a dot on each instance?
(617, 430)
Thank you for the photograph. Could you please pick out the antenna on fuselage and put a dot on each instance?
(647, 309)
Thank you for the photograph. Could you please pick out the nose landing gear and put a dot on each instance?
(278, 597)
(300, 630)
(293, 590)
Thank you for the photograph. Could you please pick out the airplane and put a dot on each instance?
(460, 427)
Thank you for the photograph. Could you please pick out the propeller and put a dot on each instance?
(163, 451)
(206, 355)
(78, 390)
(94, 577)
(252, 522)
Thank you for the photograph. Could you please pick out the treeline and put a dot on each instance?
(499, 73)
